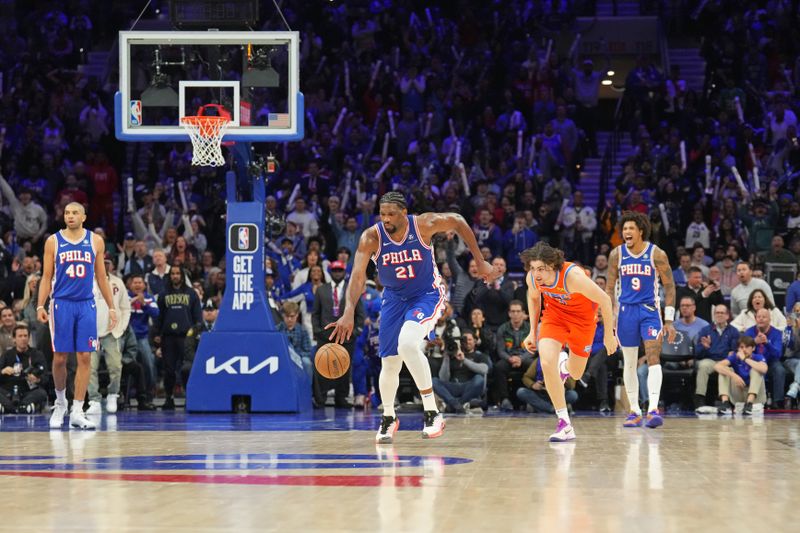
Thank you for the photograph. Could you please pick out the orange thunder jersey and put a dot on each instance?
(560, 304)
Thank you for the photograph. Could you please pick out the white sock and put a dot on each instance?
(388, 381)
(630, 357)
(409, 346)
(61, 396)
(429, 402)
(563, 414)
(654, 386)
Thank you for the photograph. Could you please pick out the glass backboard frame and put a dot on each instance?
(125, 131)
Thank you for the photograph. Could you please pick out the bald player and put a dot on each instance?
(73, 257)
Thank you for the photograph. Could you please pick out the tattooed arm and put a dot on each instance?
(665, 273)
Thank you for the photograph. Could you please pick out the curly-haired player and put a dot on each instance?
(570, 306)
(638, 264)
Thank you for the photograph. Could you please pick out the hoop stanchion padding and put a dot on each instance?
(244, 355)
(256, 365)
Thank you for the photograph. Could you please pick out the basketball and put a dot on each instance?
(332, 360)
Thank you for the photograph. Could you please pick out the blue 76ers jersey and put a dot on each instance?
(406, 268)
(638, 277)
(74, 268)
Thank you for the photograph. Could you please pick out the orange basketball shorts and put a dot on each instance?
(578, 336)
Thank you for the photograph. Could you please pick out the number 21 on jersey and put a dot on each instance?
(405, 272)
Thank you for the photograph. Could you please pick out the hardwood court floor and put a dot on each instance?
(322, 472)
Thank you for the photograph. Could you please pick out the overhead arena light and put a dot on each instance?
(610, 73)
(606, 82)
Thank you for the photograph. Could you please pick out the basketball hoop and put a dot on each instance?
(206, 133)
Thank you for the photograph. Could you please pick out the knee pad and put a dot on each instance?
(410, 339)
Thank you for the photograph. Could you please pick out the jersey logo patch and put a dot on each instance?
(587, 348)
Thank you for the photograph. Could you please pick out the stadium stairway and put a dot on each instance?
(590, 173)
(693, 66)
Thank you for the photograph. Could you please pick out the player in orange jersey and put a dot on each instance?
(570, 304)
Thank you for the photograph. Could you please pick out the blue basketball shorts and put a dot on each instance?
(425, 309)
(638, 322)
(73, 325)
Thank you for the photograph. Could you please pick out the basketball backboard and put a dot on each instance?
(166, 75)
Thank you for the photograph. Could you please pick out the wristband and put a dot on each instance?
(669, 314)
(40, 307)
(112, 310)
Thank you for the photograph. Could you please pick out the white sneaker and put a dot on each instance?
(564, 432)
(111, 403)
(389, 426)
(434, 425)
(57, 418)
(78, 420)
(94, 408)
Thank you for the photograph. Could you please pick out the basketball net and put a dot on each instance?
(206, 133)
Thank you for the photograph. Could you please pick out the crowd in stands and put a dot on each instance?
(464, 110)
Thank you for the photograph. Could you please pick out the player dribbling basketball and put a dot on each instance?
(413, 300)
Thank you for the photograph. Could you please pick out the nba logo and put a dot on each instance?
(136, 112)
(243, 238)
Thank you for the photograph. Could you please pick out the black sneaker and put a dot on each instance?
(434, 425)
(604, 407)
(726, 408)
(169, 405)
(389, 426)
(748, 408)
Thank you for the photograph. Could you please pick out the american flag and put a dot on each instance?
(278, 120)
